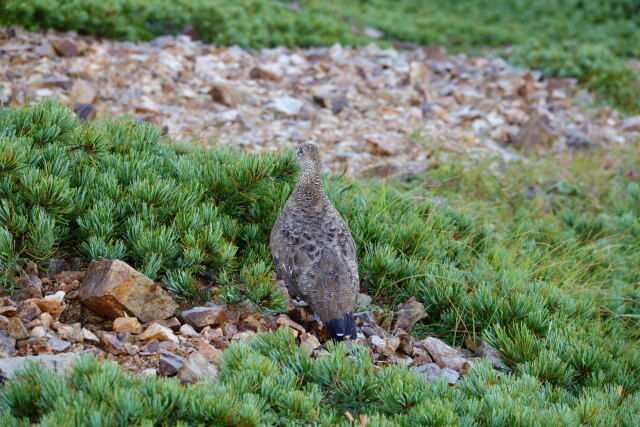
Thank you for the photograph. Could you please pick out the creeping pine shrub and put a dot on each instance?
(112, 190)
(549, 281)
(272, 381)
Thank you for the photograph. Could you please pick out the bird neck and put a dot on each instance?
(309, 189)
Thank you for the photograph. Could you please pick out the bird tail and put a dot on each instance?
(341, 328)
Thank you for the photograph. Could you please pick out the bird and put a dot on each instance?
(313, 250)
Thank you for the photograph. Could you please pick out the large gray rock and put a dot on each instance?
(60, 363)
(443, 355)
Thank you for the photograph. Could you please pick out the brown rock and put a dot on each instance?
(158, 332)
(407, 342)
(52, 304)
(16, 329)
(285, 320)
(31, 287)
(111, 344)
(127, 324)
(65, 48)
(113, 288)
(4, 322)
(70, 332)
(196, 367)
(172, 323)
(536, 133)
(28, 310)
(227, 94)
(211, 353)
(205, 316)
(8, 310)
(170, 363)
(409, 313)
(334, 102)
(309, 341)
(264, 73)
(154, 347)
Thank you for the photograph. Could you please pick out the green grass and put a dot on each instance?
(588, 40)
(539, 258)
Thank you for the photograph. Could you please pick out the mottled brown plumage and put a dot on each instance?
(313, 249)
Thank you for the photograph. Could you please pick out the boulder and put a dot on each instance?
(205, 316)
(113, 288)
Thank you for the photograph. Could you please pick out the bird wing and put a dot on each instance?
(289, 260)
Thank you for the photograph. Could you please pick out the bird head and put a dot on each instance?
(308, 157)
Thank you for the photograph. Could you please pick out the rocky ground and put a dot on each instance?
(116, 313)
(372, 111)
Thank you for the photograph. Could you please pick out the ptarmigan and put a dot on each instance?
(313, 249)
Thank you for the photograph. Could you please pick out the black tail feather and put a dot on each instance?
(342, 328)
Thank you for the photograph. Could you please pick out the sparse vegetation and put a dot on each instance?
(539, 260)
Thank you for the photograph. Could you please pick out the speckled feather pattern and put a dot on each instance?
(312, 247)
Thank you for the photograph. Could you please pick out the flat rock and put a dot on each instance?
(113, 288)
(431, 372)
(159, 333)
(205, 316)
(286, 105)
(170, 363)
(196, 367)
(58, 345)
(284, 320)
(111, 343)
(442, 354)
(59, 363)
(65, 48)
(127, 324)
